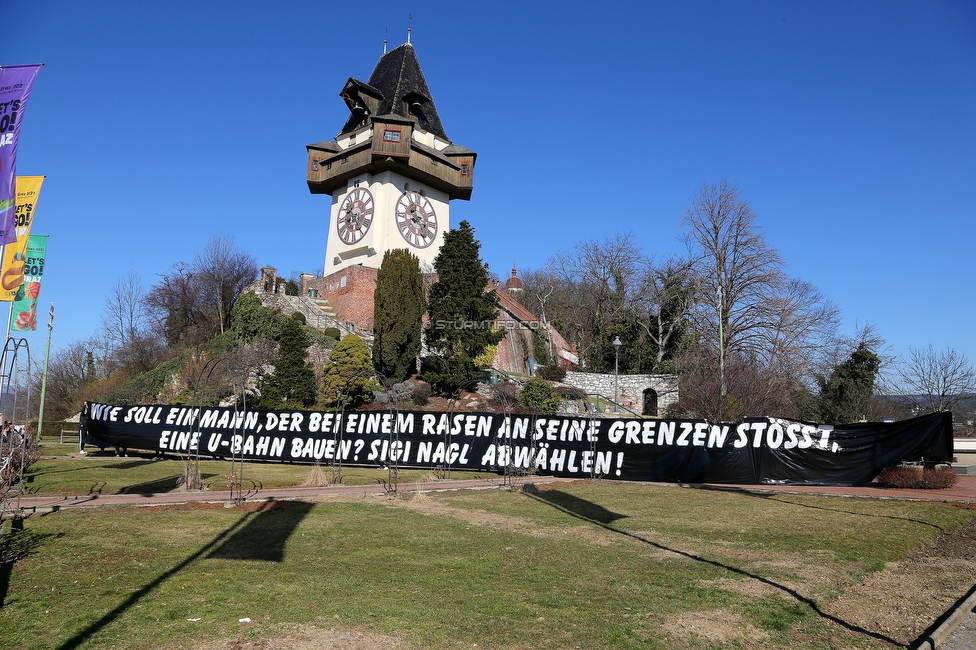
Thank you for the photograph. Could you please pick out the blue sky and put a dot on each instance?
(849, 126)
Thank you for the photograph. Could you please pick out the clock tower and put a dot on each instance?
(391, 171)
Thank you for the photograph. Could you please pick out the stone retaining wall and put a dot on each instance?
(632, 389)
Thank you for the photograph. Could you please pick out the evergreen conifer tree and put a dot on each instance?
(461, 311)
(292, 384)
(250, 319)
(846, 395)
(398, 310)
(348, 378)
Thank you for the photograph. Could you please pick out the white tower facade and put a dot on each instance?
(391, 171)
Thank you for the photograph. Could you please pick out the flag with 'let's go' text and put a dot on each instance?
(15, 254)
(16, 82)
(23, 317)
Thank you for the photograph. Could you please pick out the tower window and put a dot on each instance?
(391, 135)
(464, 169)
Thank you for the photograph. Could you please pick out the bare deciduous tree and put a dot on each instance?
(174, 306)
(126, 341)
(763, 331)
(739, 273)
(666, 297)
(124, 316)
(193, 303)
(937, 379)
(801, 328)
(68, 373)
(222, 271)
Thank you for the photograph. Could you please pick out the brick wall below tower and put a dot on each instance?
(350, 293)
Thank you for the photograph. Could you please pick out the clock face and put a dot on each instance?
(355, 216)
(415, 219)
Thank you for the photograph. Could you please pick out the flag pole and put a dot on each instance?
(10, 305)
(47, 353)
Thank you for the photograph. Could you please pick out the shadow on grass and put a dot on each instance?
(264, 537)
(14, 546)
(577, 507)
(232, 533)
(778, 499)
(548, 497)
(33, 472)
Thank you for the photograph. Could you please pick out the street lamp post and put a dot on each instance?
(616, 373)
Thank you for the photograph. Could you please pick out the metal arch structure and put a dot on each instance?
(515, 474)
(335, 463)
(509, 470)
(191, 477)
(394, 445)
(594, 475)
(15, 408)
(443, 472)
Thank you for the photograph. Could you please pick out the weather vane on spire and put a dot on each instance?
(409, 26)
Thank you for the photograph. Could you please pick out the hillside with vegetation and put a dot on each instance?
(744, 337)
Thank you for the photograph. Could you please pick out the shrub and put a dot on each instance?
(903, 477)
(52, 428)
(938, 478)
(537, 396)
(421, 393)
(251, 320)
(551, 373)
(292, 385)
(487, 358)
(328, 342)
(505, 392)
(18, 459)
(332, 333)
(401, 392)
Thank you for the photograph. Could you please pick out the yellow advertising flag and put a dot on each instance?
(12, 271)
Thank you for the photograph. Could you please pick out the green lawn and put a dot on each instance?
(580, 565)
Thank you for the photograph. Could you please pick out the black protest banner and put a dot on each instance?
(752, 451)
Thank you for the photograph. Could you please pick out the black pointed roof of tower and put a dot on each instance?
(399, 79)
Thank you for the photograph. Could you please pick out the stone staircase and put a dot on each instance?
(318, 313)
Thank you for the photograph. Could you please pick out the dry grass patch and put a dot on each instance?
(309, 637)
(716, 626)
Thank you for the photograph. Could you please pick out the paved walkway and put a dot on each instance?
(963, 491)
(48, 504)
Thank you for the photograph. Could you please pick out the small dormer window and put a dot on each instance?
(391, 135)
(414, 103)
(352, 139)
(464, 169)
